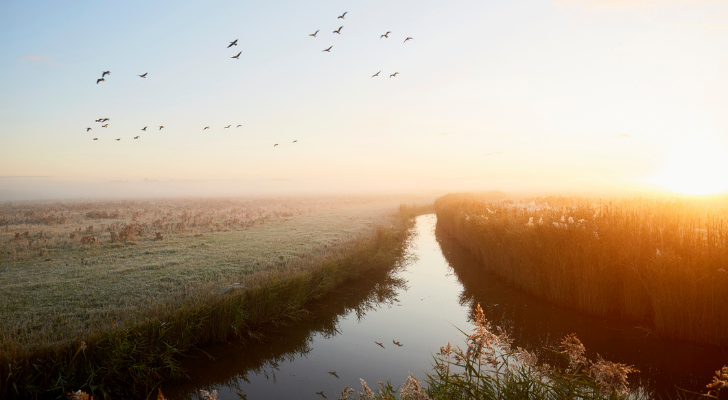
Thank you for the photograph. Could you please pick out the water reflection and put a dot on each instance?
(534, 324)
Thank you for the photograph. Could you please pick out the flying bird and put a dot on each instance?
(339, 30)
(333, 373)
(397, 343)
(237, 56)
(106, 73)
(144, 129)
(104, 119)
(207, 127)
(117, 139)
(380, 345)
(98, 120)
(233, 43)
(377, 74)
(329, 49)
(394, 74)
(136, 137)
(88, 129)
(100, 80)
(160, 127)
(275, 145)
(408, 38)
(386, 35)
(238, 126)
(228, 126)
(96, 138)
(322, 394)
(314, 34)
(343, 15)
(295, 141)
(144, 75)
(104, 125)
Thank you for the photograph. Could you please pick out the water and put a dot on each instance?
(422, 306)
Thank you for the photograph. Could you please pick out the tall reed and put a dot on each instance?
(663, 264)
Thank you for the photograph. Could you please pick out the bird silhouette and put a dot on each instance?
(377, 74)
(339, 30)
(100, 80)
(117, 139)
(238, 126)
(136, 137)
(233, 43)
(105, 125)
(98, 120)
(245, 378)
(228, 126)
(160, 127)
(314, 34)
(329, 49)
(386, 35)
(394, 74)
(380, 345)
(105, 73)
(397, 343)
(88, 129)
(144, 75)
(242, 396)
(104, 119)
(334, 374)
(275, 145)
(207, 127)
(96, 138)
(408, 38)
(237, 55)
(322, 394)
(144, 129)
(343, 15)
(295, 141)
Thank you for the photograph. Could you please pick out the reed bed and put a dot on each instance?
(123, 350)
(662, 264)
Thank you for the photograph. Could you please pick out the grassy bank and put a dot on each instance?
(123, 351)
(662, 264)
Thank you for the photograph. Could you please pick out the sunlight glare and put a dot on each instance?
(695, 167)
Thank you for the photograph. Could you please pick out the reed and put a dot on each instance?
(659, 263)
(128, 358)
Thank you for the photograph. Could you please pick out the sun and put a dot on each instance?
(695, 167)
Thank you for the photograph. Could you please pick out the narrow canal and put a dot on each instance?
(421, 305)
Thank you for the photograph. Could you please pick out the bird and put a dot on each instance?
(144, 75)
(275, 145)
(100, 80)
(96, 138)
(117, 139)
(104, 119)
(237, 55)
(238, 126)
(136, 137)
(394, 74)
(160, 127)
(386, 35)
(228, 126)
(343, 15)
(314, 34)
(339, 30)
(397, 343)
(88, 129)
(144, 129)
(322, 394)
(233, 43)
(377, 74)
(380, 345)
(245, 378)
(295, 141)
(408, 38)
(105, 73)
(98, 120)
(105, 125)
(329, 49)
(207, 127)
(333, 373)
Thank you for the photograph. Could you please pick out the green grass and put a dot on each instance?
(118, 323)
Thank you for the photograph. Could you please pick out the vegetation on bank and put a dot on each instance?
(130, 357)
(662, 264)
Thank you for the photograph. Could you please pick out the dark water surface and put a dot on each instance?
(421, 306)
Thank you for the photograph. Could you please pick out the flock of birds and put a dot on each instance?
(237, 56)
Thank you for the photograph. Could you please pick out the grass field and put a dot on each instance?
(138, 301)
(663, 264)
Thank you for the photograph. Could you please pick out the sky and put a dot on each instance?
(573, 96)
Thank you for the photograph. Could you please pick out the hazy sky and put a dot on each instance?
(576, 95)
